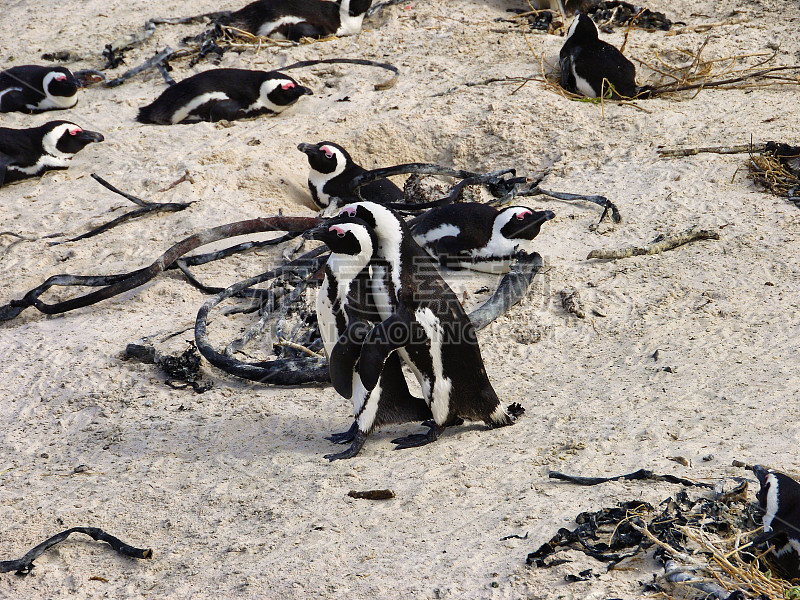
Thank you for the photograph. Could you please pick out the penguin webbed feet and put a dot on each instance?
(419, 439)
(358, 442)
(345, 437)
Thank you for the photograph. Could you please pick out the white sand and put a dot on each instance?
(230, 488)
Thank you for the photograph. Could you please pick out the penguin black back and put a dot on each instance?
(32, 88)
(223, 94)
(331, 172)
(30, 152)
(295, 19)
(591, 67)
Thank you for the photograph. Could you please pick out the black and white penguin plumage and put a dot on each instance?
(331, 172)
(779, 499)
(31, 88)
(30, 152)
(342, 301)
(295, 19)
(426, 324)
(589, 66)
(223, 94)
(477, 236)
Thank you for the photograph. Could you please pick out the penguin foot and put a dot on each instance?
(515, 410)
(344, 437)
(355, 448)
(419, 439)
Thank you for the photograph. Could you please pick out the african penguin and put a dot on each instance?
(223, 94)
(331, 172)
(779, 499)
(589, 65)
(425, 322)
(295, 19)
(477, 236)
(343, 300)
(30, 152)
(31, 88)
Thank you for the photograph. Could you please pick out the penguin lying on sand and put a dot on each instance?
(343, 300)
(30, 152)
(779, 498)
(425, 323)
(295, 19)
(590, 66)
(477, 236)
(31, 88)
(331, 172)
(223, 94)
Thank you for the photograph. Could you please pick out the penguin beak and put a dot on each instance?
(306, 148)
(90, 136)
(546, 215)
(319, 233)
(306, 91)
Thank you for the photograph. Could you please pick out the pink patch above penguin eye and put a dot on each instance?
(350, 211)
(60, 78)
(75, 131)
(338, 231)
(287, 86)
(525, 213)
(328, 152)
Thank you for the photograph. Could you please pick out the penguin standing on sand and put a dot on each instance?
(477, 236)
(223, 94)
(592, 67)
(331, 173)
(295, 19)
(30, 152)
(779, 499)
(425, 323)
(342, 301)
(31, 88)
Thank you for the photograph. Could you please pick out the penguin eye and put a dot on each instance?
(328, 152)
(287, 86)
(75, 131)
(525, 213)
(350, 212)
(339, 232)
(60, 77)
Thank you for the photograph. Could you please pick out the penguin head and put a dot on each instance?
(326, 158)
(278, 92)
(346, 236)
(582, 29)
(60, 82)
(520, 222)
(63, 138)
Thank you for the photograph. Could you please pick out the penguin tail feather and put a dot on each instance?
(503, 418)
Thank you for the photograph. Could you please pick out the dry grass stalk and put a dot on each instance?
(767, 170)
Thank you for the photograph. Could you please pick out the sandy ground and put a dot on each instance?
(230, 488)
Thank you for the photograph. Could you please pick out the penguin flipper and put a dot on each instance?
(5, 161)
(393, 333)
(14, 101)
(224, 110)
(449, 249)
(567, 79)
(344, 356)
